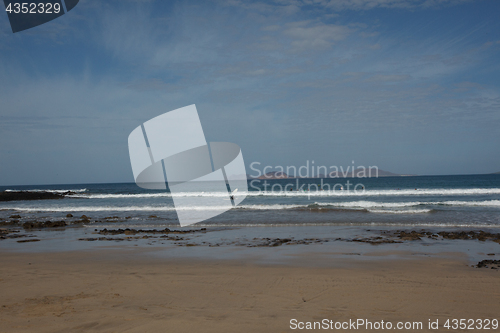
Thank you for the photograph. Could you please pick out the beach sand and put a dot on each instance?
(123, 290)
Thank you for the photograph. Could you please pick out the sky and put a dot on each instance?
(409, 86)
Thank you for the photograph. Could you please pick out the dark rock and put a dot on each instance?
(83, 219)
(376, 241)
(101, 239)
(410, 235)
(24, 195)
(28, 240)
(462, 235)
(494, 264)
(46, 224)
(272, 242)
(141, 231)
(15, 216)
(12, 222)
(69, 215)
(279, 242)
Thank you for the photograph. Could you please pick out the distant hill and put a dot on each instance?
(496, 173)
(359, 173)
(364, 173)
(274, 175)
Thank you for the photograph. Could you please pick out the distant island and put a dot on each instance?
(496, 173)
(359, 173)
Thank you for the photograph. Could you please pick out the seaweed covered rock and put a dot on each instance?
(46, 224)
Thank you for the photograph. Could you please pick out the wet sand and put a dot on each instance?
(129, 290)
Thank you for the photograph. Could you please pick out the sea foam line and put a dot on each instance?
(405, 211)
(141, 208)
(373, 204)
(360, 193)
(354, 205)
(51, 191)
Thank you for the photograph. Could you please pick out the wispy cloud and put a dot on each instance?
(308, 35)
(369, 4)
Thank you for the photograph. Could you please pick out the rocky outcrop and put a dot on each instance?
(492, 264)
(11, 222)
(28, 240)
(25, 195)
(464, 235)
(141, 231)
(46, 224)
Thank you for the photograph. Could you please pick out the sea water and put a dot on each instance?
(417, 201)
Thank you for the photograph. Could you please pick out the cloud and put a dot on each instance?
(285, 8)
(339, 5)
(467, 86)
(152, 84)
(273, 27)
(307, 35)
(488, 44)
(388, 78)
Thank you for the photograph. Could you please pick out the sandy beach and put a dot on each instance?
(128, 290)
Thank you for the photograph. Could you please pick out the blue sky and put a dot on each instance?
(411, 86)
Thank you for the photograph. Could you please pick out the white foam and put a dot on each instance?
(52, 191)
(371, 206)
(141, 208)
(270, 207)
(486, 203)
(345, 193)
(433, 192)
(152, 195)
(366, 192)
(90, 208)
(405, 211)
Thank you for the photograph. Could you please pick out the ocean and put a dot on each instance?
(416, 201)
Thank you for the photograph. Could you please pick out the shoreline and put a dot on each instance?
(271, 243)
